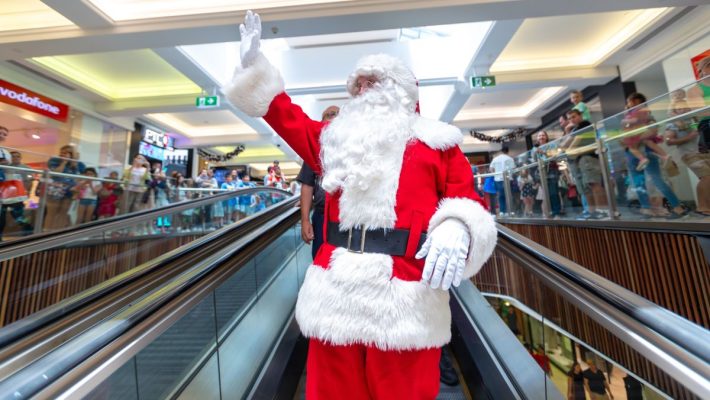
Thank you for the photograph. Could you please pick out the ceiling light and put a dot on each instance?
(35, 136)
(538, 99)
(605, 43)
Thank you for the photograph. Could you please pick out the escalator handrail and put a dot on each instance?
(681, 331)
(46, 240)
(25, 326)
(25, 383)
(680, 364)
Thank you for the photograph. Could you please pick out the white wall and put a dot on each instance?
(651, 88)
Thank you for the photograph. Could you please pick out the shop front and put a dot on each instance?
(158, 146)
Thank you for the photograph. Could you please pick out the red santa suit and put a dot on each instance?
(376, 329)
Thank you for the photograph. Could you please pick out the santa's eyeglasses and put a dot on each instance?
(365, 83)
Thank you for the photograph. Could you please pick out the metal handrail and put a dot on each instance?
(675, 344)
(43, 241)
(18, 329)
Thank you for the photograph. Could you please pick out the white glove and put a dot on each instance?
(447, 248)
(250, 31)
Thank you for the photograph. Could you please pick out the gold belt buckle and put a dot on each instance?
(362, 240)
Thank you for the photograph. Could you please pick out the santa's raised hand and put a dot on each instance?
(250, 32)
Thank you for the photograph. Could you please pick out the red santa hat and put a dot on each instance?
(385, 67)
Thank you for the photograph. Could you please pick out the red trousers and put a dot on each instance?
(363, 372)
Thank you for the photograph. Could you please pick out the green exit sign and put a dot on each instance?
(207, 101)
(483, 81)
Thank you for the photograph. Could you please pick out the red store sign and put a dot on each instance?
(31, 101)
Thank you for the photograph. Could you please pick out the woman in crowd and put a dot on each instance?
(230, 206)
(135, 179)
(575, 383)
(160, 188)
(247, 201)
(86, 192)
(651, 170)
(526, 183)
(108, 197)
(684, 134)
(58, 189)
(553, 174)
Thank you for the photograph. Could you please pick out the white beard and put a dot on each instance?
(361, 154)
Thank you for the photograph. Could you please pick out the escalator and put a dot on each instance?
(213, 319)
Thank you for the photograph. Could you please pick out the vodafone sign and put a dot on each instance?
(31, 101)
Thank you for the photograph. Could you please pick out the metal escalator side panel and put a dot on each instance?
(505, 368)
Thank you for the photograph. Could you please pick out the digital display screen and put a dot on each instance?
(151, 151)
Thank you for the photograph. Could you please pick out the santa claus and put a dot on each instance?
(403, 224)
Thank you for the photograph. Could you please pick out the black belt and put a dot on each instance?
(390, 241)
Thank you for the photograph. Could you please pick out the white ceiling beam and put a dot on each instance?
(288, 22)
(82, 13)
(496, 39)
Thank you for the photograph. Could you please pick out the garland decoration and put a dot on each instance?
(220, 158)
(508, 137)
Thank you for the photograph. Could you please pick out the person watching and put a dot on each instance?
(313, 197)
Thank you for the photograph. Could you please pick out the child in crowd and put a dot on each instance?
(576, 98)
(108, 197)
(639, 116)
(247, 201)
(230, 206)
(527, 193)
(86, 192)
(186, 220)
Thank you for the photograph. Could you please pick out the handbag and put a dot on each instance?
(572, 192)
(672, 169)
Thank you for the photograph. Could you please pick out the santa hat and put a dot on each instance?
(385, 67)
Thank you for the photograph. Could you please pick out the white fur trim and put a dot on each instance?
(361, 153)
(385, 67)
(436, 134)
(356, 301)
(252, 89)
(480, 225)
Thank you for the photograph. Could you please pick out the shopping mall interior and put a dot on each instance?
(194, 209)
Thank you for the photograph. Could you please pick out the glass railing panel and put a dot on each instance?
(526, 192)
(657, 156)
(43, 278)
(220, 345)
(38, 200)
(168, 361)
(574, 159)
(121, 384)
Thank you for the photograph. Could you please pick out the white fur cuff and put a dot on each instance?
(480, 224)
(252, 89)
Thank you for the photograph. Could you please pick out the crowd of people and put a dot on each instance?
(76, 194)
(640, 163)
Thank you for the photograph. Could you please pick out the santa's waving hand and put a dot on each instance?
(402, 225)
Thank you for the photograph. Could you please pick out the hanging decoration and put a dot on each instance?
(508, 137)
(220, 158)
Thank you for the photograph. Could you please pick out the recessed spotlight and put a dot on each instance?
(35, 136)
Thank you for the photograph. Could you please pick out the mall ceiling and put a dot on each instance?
(149, 59)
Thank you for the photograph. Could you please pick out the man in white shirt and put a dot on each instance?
(501, 163)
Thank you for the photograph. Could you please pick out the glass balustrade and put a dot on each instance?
(650, 162)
